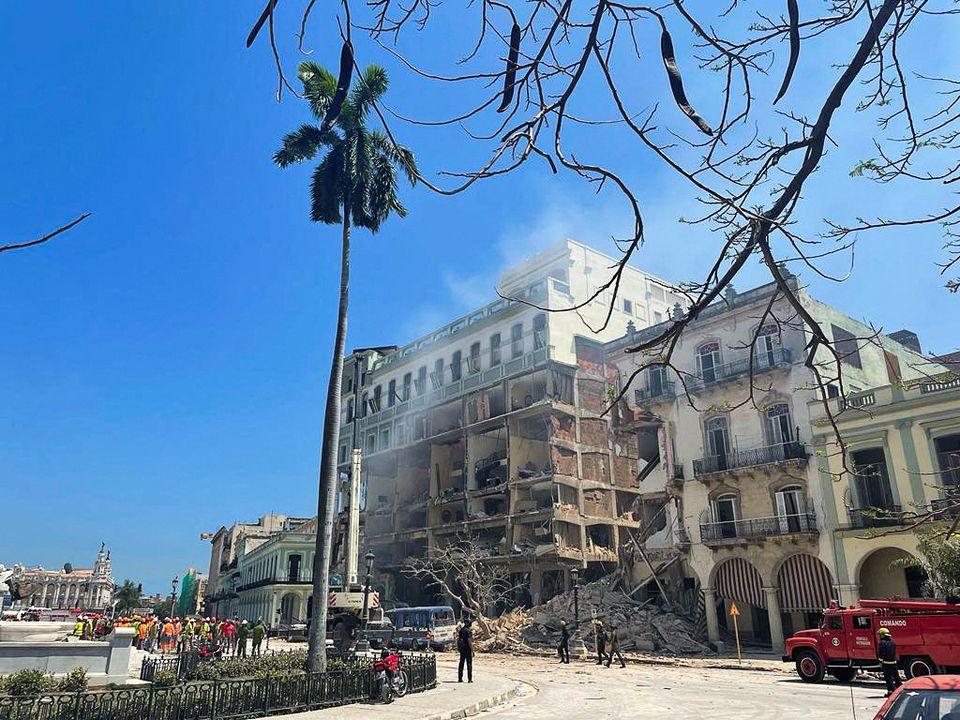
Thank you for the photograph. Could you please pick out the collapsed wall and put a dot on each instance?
(641, 626)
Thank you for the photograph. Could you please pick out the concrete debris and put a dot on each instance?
(641, 627)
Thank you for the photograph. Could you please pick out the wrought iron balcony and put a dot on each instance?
(666, 391)
(762, 362)
(876, 517)
(948, 507)
(757, 457)
(758, 528)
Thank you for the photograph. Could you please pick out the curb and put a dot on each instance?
(480, 706)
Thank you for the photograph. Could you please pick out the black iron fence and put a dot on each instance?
(758, 528)
(877, 517)
(181, 664)
(769, 455)
(220, 699)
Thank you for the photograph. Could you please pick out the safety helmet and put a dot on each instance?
(883, 631)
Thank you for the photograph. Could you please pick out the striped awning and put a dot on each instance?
(738, 580)
(805, 584)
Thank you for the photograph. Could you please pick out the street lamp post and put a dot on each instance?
(363, 644)
(173, 596)
(578, 649)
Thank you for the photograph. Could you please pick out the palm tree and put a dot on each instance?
(355, 184)
(127, 596)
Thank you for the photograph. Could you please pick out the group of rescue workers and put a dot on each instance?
(606, 643)
(207, 635)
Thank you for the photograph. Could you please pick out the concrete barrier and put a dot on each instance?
(106, 661)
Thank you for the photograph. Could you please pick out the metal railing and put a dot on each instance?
(763, 360)
(876, 517)
(220, 699)
(949, 507)
(667, 390)
(758, 528)
(768, 455)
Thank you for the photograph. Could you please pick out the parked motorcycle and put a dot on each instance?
(389, 666)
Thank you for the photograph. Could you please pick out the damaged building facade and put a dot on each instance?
(492, 427)
(728, 427)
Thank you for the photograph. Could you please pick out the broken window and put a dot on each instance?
(474, 365)
(375, 403)
(422, 380)
(407, 380)
(392, 393)
(436, 377)
(455, 365)
(494, 349)
(516, 341)
(539, 331)
(846, 345)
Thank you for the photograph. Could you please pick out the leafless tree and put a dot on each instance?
(747, 165)
(469, 573)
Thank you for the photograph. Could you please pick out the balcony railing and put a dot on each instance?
(876, 517)
(470, 383)
(759, 528)
(666, 391)
(769, 455)
(762, 361)
(949, 507)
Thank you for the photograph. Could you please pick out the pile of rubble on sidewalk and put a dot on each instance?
(641, 627)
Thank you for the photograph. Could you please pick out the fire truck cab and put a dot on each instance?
(927, 634)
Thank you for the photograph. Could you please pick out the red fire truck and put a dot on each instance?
(927, 634)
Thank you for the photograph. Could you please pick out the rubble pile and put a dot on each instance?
(641, 627)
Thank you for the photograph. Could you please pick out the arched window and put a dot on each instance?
(792, 509)
(717, 442)
(779, 425)
(767, 344)
(708, 361)
(726, 512)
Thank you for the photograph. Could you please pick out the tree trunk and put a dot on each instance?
(317, 653)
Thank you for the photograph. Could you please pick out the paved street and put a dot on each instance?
(583, 691)
(590, 692)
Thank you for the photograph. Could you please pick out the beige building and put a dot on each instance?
(85, 588)
(901, 458)
(226, 544)
(728, 427)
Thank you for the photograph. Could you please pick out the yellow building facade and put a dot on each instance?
(900, 459)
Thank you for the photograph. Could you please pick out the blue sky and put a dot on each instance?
(162, 366)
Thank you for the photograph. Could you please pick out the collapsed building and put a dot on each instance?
(493, 426)
(701, 483)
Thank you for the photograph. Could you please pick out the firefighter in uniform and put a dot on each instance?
(564, 648)
(887, 654)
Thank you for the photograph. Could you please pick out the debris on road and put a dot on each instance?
(641, 626)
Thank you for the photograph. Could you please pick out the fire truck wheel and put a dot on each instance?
(918, 667)
(844, 675)
(809, 667)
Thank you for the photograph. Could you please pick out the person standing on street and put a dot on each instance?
(887, 654)
(465, 648)
(613, 646)
(242, 633)
(600, 637)
(259, 630)
(564, 648)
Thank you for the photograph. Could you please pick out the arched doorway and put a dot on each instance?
(805, 589)
(737, 581)
(883, 574)
(290, 609)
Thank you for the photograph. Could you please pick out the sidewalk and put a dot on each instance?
(449, 701)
